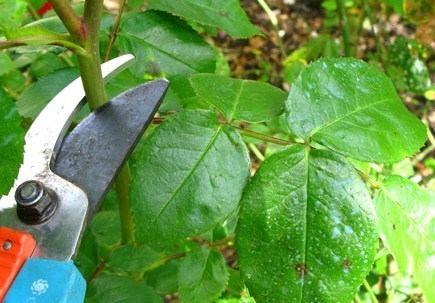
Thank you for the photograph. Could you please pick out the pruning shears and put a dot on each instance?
(61, 185)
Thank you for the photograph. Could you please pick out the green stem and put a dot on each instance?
(368, 179)
(275, 25)
(122, 186)
(345, 29)
(256, 151)
(370, 291)
(32, 11)
(69, 17)
(87, 31)
(263, 137)
(114, 33)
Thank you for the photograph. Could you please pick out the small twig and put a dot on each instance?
(97, 271)
(367, 178)
(370, 291)
(256, 151)
(263, 137)
(114, 33)
(275, 25)
(32, 11)
(66, 59)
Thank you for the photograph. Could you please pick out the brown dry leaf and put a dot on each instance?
(426, 32)
(419, 11)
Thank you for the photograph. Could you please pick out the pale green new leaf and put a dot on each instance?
(6, 64)
(246, 100)
(11, 143)
(189, 177)
(165, 46)
(351, 107)
(307, 229)
(202, 276)
(407, 220)
(120, 289)
(227, 15)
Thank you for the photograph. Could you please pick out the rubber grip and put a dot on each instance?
(47, 281)
(15, 248)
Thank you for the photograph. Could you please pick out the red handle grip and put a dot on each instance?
(15, 248)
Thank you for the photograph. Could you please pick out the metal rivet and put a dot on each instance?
(7, 245)
(28, 193)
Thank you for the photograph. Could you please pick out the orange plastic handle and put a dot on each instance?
(15, 248)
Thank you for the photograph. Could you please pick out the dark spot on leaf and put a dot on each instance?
(223, 14)
(346, 264)
(301, 270)
(394, 226)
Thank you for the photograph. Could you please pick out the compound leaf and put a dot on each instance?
(407, 222)
(246, 100)
(227, 15)
(351, 107)
(309, 219)
(202, 276)
(11, 144)
(188, 178)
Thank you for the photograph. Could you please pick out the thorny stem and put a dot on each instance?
(345, 29)
(370, 291)
(86, 31)
(114, 33)
(274, 22)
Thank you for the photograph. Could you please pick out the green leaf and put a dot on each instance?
(164, 279)
(165, 46)
(202, 276)
(46, 64)
(188, 178)
(14, 81)
(306, 230)
(36, 97)
(133, 259)
(106, 228)
(119, 289)
(11, 13)
(406, 216)
(87, 257)
(227, 15)
(11, 144)
(246, 100)
(6, 64)
(352, 108)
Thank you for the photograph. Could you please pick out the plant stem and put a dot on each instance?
(256, 151)
(87, 32)
(275, 25)
(370, 291)
(32, 11)
(263, 137)
(69, 17)
(345, 29)
(122, 186)
(378, 44)
(114, 33)
(367, 178)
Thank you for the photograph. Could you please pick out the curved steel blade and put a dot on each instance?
(99, 146)
(58, 237)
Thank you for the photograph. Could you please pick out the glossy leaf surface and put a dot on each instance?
(406, 216)
(120, 289)
(307, 230)
(245, 100)
(351, 107)
(11, 143)
(189, 177)
(227, 15)
(202, 276)
(165, 46)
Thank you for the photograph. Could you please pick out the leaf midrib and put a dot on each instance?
(318, 129)
(236, 103)
(195, 166)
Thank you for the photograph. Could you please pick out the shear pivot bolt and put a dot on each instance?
(36, 203)
(7, 245)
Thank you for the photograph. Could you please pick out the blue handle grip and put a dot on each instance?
(47, 281)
